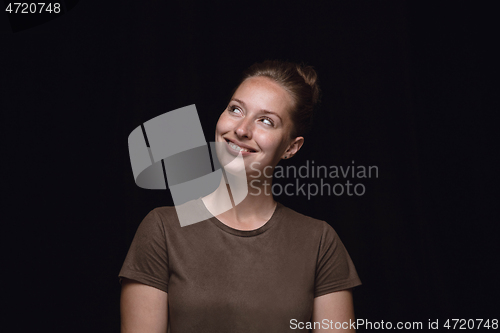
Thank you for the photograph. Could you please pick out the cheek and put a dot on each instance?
(282, 145)
(269, 142)
(222, 124)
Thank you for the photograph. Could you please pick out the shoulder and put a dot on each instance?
(187, 218)
(159, 219)
(307, 224)
(164, 213)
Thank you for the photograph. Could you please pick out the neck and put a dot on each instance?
(248, 214)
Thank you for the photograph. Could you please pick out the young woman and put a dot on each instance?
(259, 266)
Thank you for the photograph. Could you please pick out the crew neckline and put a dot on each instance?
(249, 233)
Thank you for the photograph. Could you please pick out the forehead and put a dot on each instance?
(264, 93)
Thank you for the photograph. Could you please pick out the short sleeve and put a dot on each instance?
(147, 259)
(335, 270)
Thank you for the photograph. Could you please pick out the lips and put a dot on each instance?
(237, 146)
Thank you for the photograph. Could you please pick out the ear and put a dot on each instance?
(294, 147)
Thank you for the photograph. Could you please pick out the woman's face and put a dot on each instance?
(257, 122)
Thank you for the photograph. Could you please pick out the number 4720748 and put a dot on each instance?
(463, 324)
(33, 8)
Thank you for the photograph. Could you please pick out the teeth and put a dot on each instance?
(236, 147)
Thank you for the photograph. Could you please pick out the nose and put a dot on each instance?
(244, 128)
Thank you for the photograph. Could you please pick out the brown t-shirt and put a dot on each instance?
(221, 279)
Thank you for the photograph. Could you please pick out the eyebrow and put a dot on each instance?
(264, 111)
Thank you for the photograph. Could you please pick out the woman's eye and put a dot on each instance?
(267, 121)
(234, 109)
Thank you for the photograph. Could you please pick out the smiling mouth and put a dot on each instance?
(238, 148)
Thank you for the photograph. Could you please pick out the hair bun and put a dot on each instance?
(310, 77)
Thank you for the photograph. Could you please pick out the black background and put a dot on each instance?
(407, 87)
